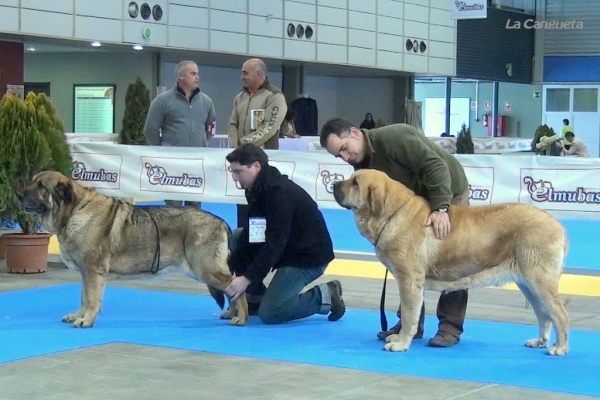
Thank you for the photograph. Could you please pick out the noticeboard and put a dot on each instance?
(94, 108)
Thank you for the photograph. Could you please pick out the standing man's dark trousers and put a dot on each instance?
(451, 308)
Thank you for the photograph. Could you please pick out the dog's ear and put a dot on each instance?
(376, 199)
(65, 192)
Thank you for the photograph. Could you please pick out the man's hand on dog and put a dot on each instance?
(237, 286)
(441, 224)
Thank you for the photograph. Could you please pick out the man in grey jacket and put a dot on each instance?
(182, 116)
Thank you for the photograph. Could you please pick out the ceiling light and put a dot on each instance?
(96, 44)
(32, 49)
(138, 47)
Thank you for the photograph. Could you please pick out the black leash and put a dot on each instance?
(384, 323)
(156, 261)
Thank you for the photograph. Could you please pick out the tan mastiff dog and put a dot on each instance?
(487, 245)
(100, 235)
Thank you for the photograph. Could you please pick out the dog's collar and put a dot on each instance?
(384, 226)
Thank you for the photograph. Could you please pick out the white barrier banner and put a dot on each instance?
(563, 185)
(196, 174)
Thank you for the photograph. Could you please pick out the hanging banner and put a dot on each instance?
(565, 186)
(469, 9)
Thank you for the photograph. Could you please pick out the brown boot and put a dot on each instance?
(443, 339)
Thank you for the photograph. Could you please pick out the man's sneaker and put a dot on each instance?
(337, 302)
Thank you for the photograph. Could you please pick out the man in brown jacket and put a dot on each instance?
(258, 110)
(407, 156)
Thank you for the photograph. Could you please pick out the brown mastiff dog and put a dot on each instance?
(487, 245)
(100, 235)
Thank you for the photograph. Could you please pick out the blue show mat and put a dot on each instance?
(489, 352)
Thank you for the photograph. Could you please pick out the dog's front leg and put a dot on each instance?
(81, 311)
(411, 301)
(94, 291)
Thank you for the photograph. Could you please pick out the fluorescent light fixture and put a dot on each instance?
(138, 47)
(96, 44)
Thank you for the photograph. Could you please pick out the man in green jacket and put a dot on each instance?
(407, 156)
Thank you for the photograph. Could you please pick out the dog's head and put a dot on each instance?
(364, 192)
(47, 195)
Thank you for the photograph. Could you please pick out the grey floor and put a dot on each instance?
(125, 371)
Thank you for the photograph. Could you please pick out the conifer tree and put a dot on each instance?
(137, 102)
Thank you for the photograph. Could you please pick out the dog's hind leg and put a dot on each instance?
(542, 315)
(546, 294)
(411, 302)
(238, 309)
(210, 265)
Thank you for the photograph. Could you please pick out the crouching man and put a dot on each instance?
(286, 232)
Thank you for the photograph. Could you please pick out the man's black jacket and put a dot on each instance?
(296, 234)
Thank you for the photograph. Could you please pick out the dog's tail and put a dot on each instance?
(218, 295)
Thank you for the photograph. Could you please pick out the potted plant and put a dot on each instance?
(32, 139)
(464, 141)
(137, 103)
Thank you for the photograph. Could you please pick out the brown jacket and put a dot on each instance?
(256, 117)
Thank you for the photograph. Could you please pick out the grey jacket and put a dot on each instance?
(181, 123)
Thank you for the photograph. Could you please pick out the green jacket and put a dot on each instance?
(407, 156)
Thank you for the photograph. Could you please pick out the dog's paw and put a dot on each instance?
(396, 346)
(537, 343)
(237, 321)
(227, 314)
(70, 317)
(82, 323)
(392, 338)
(557, 351)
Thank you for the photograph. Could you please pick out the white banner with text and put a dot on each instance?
(469, 9)
(558, 184)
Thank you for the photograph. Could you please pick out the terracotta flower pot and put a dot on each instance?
(26, 254)
(1, 248)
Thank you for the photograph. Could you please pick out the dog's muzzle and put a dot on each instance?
(32, 206)
(338, 194)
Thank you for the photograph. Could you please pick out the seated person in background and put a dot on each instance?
(368, 122)
(288, 127)
(545, 146)
(285, 231)
(577, 146)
